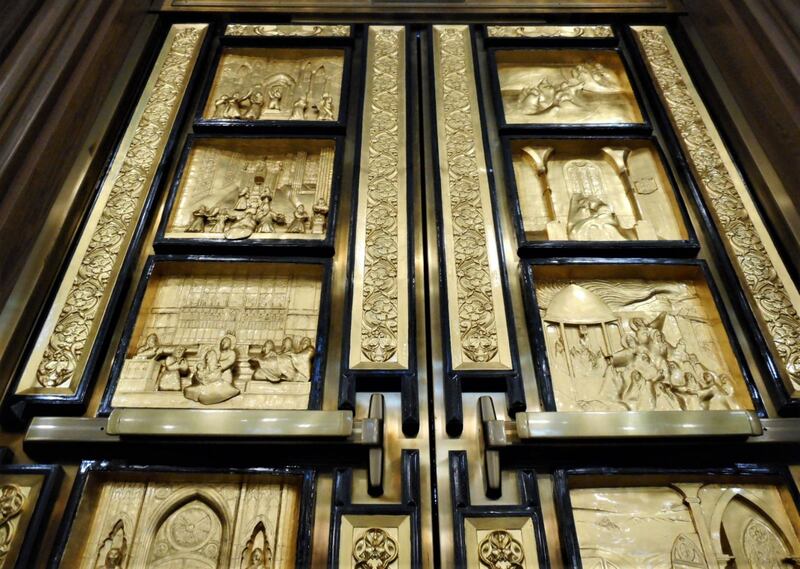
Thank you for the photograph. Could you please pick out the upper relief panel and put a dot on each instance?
(264, 84)
(565, 86)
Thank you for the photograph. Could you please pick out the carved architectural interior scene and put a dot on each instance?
(263, 84)
(18, 495)
(686, 525)
(500, 543)
(230, 335)
(636, 338)
(594, 190)
(371, 541)
(565, 86)
(254, 188)
(185, 521)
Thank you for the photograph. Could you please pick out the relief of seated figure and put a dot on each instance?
(284, 364)
(591, 219)
(212, 380)
(173, 368)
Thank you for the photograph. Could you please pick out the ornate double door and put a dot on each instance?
(398, 295)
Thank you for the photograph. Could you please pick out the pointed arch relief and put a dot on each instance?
(192, 536)
(257, 553)
(113, 550)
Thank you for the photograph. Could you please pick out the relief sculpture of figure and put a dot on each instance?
(150, 349)
(173, 368)
(266, 216)
(326, 107)
(212, 381)
(299, 108)
(200, 218)
(591, 219)
(298, 224)
(284, 364)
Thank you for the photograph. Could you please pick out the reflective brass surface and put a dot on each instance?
(593, 424)
(185, 520)
(287, 30)
(565, 86)
(618, 340)
(772, 293)
(543, 31)
(276, 84)
(684, 524)
(375, 542)
(230, 423)
(499, 542)
(379, 333)
(478, 327)
(58, 358)
(232, 335)
(267, 188)
(594, 190)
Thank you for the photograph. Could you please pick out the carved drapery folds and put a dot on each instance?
(59, 356)
(763, 274)
(478, 328)
(379, 336)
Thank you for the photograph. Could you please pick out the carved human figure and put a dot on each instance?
(221, 106)
(244, 195)
(266, 216)
(245, 223)
(298, 224)
(275, 94)
(199, 220)
(299, 108)
(256, 104)
(150, 349)
(212, 381)
(302, 359)
(591, 219)
(265, 366)
(326, 107)
(232, 108)
(173, 368)
(320, 210)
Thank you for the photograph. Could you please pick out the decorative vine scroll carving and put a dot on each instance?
(94, 278)
(741, 235)
(476, 317)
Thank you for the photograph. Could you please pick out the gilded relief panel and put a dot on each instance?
(565, 86)
(544, 31)
(619, 341)
(685, 526)
(265, 84)
(233, 336)
(18, 496)
(375, 542)
(177, 521)
(288, 30)
(594, 190)
(501, 543)
(254, 188)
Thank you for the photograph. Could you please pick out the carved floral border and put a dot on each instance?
(721, 185)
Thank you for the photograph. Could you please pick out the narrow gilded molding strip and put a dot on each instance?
(379, 331)
(540, 31)
(59, 356)
(477, 317)
(771, 292)
(288, 30)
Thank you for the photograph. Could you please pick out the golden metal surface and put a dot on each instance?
(499, 542)
(288, 30)
(379, 327)
(478, 327)
(565, 86)
(619, 342)
(276, 84)
(594, 190)
(181, 520)
(58, 358)
(232, 335)
(230, 423)
(587, 425)
(697, 523)
(260, 189)
(18, 496)
(772, 293)
(543, 31)
(375, 542)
